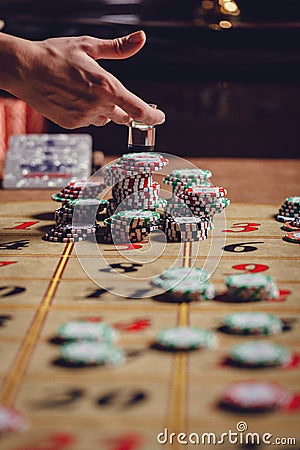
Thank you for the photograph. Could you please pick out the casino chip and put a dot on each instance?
(185, 284)
(185, 338)
(189, 290)
(92, 352)
(289, 210)
(260, 354)
(67, 233)
(131, 225)
(139, 215)
(136, 208)
(294, 237)
(181, 179)
(86, 330)
(186, 228)
(292, 225)
(142, 162)
(180, 273)
(251, 287)
(255, 396)
(11, 420)
(191, 174)
(253, 322)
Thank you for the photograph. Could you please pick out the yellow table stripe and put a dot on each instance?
(178, 396)
(15, 377)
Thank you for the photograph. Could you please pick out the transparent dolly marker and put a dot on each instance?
(141, 137)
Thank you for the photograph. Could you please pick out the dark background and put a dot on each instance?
(229, 92)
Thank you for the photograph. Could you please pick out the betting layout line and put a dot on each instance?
(199, 257)
(149, 307)
(20, 364)
(178, 395)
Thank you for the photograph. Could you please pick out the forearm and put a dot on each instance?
(8, 61)
(13, 55)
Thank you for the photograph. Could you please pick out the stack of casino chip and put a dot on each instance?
(202, 207)
(136, 163)
(78, 226)
(137, 198)
(186, 228)
(84, 189)
(289, 210)
(77, 218)
(131, 180)
(185, 284)
(64, 215)
(131, 226)
(132, 165)
(251, 287)
(205, 200)
(68, 233)
(130, 185)
(87, 342)
(87, 211)
(181, 179)
(160, 206)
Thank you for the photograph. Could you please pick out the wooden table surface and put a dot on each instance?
(247, 180)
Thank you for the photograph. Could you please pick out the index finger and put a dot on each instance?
(138, 109)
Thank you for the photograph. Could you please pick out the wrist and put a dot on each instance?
(12, 53)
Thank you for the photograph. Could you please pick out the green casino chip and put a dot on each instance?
(145, 215)
(191, 174)
(185, 283)
(92, 352)
(251, 287)
(189, 290)
(180, 273)
(295, 200)
(253, 322)
(185, 338)
(260, 354)
(58, 198)
(186, 287)
(83, 329)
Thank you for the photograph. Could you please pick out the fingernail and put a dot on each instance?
(136, 37)
(162, 120)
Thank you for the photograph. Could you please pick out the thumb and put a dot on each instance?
(118, 48)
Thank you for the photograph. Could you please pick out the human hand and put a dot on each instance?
(60, 78)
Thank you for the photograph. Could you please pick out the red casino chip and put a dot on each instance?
(11, 420)
(293, 236)
(255, 396)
